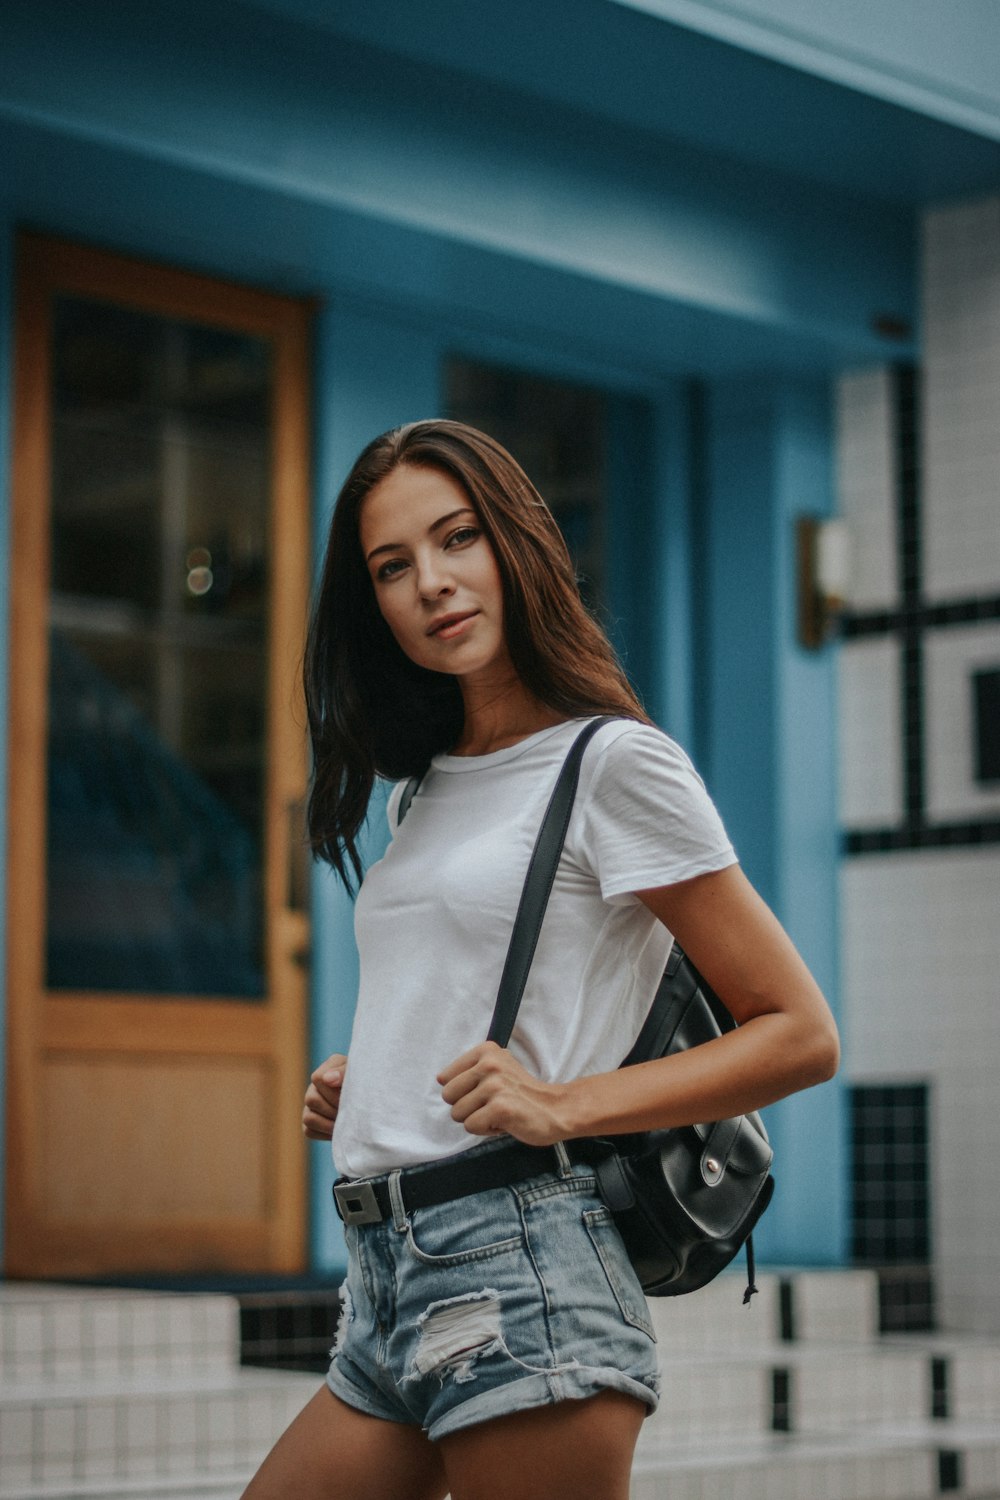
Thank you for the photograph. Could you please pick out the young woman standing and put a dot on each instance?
(494, 1339)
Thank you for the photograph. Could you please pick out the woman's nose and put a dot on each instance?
(433, 579)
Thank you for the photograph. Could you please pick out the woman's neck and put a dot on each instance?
(499, 714)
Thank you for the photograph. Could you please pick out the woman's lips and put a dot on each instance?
(452, 625)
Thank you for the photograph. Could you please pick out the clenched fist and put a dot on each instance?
(322, 1099)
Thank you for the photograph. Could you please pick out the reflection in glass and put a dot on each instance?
(157, 687)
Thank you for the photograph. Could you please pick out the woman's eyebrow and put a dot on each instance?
(464, 510)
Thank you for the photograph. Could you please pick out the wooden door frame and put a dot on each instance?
(39, 1023)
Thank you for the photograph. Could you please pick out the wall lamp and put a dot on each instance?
(823, 566)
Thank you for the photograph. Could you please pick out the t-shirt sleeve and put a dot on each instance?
(647, 819)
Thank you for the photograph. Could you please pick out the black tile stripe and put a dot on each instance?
(975, 833)
(908, 532)
(975, 610)
(906, 394)
(781, 1400)
(940, 1401)
(949, 1471)
(909, 621)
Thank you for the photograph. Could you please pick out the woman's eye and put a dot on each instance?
(462, 535)
(389, 569)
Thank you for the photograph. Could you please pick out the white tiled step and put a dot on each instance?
(188, 1425)
(71, 1333)
(198, 1421)
(837, 1306)
(63, 1333)
(228, 1485)
(893, 1463)
(890, 1464)
(733, 1394)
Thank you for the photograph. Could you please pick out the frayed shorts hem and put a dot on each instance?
(577, 1384)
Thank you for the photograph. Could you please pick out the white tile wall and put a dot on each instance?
(921, 991)
(951, 656)
(961, 399)
(871, 757)
(920, 962)
(866, 485)
(966, 1195)
(921, 931)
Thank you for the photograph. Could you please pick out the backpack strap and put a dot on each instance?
(409, 792)
(537, 884)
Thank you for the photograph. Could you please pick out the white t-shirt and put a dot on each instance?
(434, 916)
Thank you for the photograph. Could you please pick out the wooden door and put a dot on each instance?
(157, 764)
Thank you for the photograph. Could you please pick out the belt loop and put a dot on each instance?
(562, 1157)
(399, 1219)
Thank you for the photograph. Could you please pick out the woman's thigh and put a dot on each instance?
(548, 1453)
(331, 1449)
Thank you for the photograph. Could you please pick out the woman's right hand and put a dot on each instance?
(322, 1099)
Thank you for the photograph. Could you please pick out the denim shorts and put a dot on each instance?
(511, 1298)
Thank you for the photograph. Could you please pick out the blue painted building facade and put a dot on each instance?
(706, 214)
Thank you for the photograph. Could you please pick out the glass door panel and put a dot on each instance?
(158, 654)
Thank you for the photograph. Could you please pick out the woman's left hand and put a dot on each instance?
(490, 1093)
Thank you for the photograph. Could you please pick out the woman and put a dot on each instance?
(494, 1339)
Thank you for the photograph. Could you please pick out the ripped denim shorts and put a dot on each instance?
(489, 1304)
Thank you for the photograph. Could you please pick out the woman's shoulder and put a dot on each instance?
(625, 746)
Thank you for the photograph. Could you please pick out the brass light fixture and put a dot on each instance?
(822, 549)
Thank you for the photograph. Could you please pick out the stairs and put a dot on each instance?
(120, 1395)
(797, 1397)
(131, 1394)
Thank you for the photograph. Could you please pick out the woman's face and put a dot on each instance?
(435, 577)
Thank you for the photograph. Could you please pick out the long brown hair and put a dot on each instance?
(374, 712)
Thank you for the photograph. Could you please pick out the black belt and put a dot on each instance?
(366, 1201)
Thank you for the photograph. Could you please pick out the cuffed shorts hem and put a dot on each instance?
(541, 1390)
(351, 1395)
(521, 1395)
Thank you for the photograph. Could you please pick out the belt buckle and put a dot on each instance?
(356, 1203)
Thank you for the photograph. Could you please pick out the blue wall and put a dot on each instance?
(768, 743)
(429, 212)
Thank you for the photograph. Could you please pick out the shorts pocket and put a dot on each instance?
(453, 1234)
(618, 1269)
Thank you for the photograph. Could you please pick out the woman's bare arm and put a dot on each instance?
(786, 1041)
